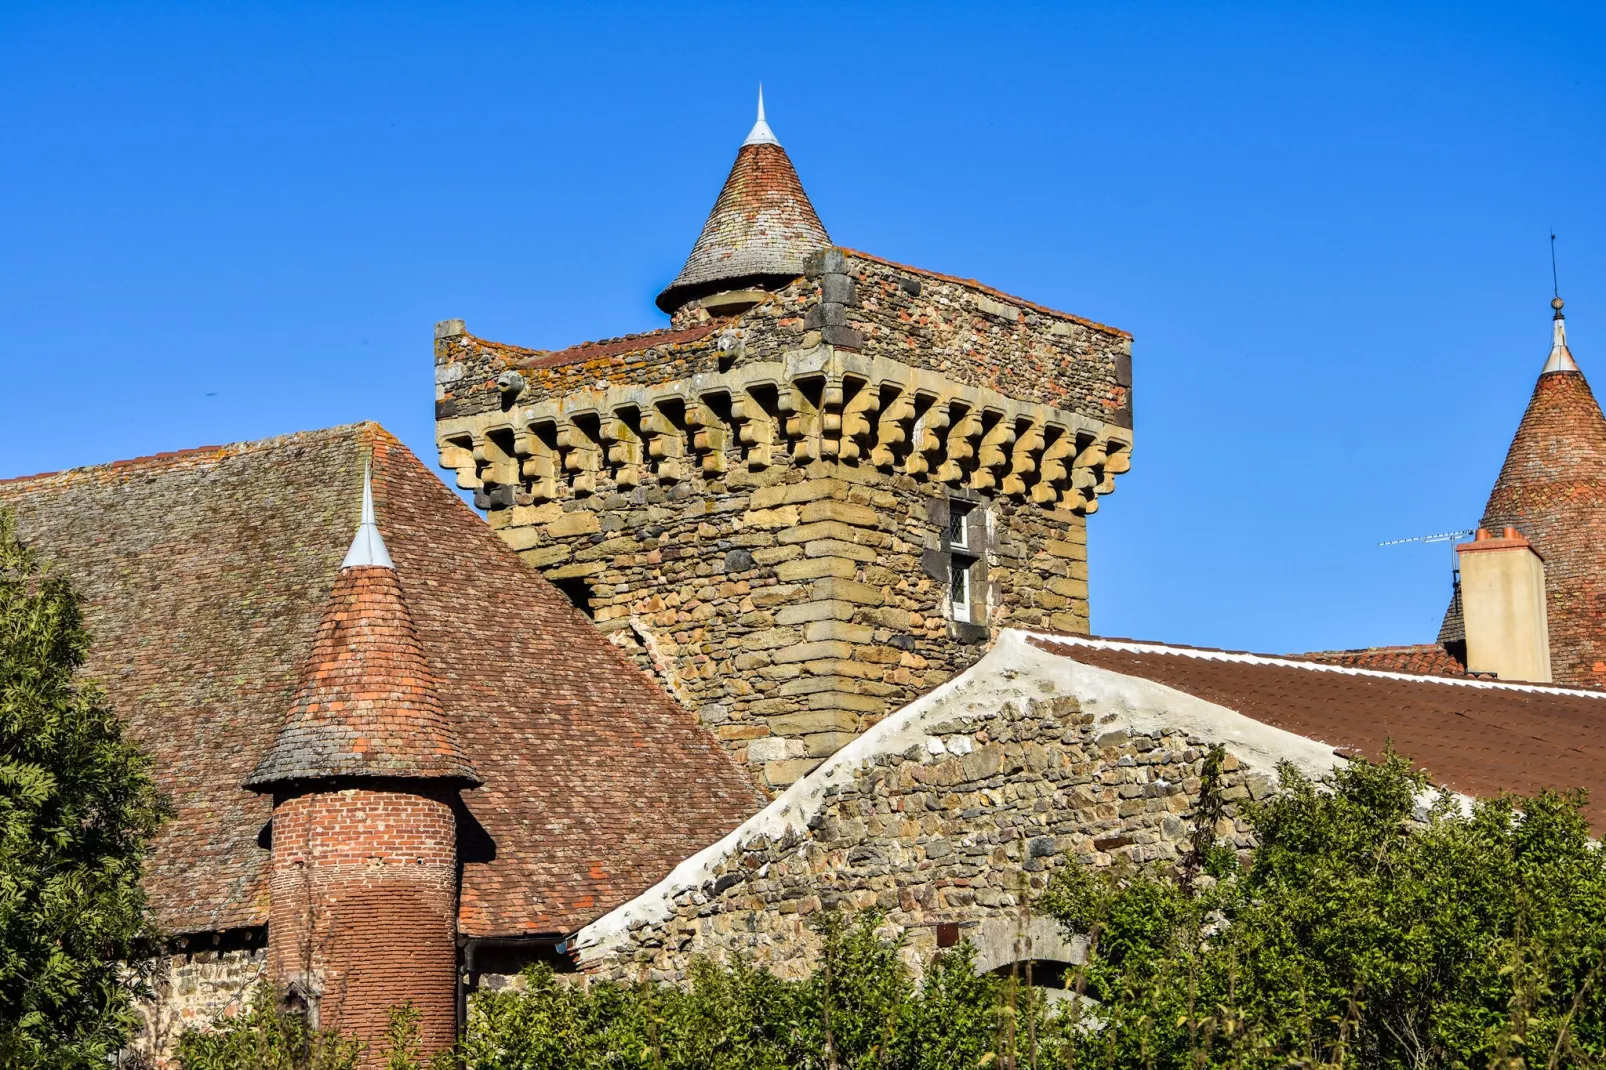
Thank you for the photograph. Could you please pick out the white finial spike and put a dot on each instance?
(761, 134)
(1561, 358)
(367, 548)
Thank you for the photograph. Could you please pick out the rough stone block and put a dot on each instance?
(784, 516)
(836, 629)
(774, 555)
(787, 773)
(825, 744)
(771, 639)
(808, 685)
(817, 568)
(844, 700)
(831, 529)
(1064, 549)
(776, 749)
(843, 512)
(838, 548)
(833, 648)
(807, 612)
(848, 591)
(520, 538)
(542, 556)
(578, 522)
(803, 722)
(1068, 587)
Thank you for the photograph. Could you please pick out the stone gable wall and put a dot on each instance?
(954, 825)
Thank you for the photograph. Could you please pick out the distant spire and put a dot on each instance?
(761, 134)
(1561, 358)
(367, 548)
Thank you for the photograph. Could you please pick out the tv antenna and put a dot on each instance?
(1443, 536)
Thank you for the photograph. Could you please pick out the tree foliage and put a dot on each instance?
(860, 1010)
(77, 810)
(1363, 934)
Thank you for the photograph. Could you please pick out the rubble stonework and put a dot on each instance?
(950, 812)
(757, 505)
(192, 990)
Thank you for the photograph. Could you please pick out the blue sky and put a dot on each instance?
(1325, 224)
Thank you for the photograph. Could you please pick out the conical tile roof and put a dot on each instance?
(1552, 488)
(761, 230)
(366, 705)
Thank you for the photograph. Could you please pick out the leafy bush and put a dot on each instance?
(1360, 936)
(860, 1009)
(265, 1038)
(77, 810)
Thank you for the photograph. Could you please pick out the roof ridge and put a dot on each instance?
(1138, 646)
(172, 457)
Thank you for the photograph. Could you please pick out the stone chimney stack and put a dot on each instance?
(365, 776)
(1503, 606)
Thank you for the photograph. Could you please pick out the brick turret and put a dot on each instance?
(365, 776)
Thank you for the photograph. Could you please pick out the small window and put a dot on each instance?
(959, 587)
(958, 528)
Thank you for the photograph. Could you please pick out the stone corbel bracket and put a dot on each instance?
(818, 404)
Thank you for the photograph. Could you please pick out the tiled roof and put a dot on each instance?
(205, 575)
(1473, 736)
(762, 229)
(366, 705)
(1552, 489)
(1422, 659)
(613, 347)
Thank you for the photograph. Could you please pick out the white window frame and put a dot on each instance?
(959, 567)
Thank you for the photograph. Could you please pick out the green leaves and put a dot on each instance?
(77, 810)
(1364, 934)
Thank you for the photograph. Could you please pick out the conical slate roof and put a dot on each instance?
(1552, 488)
(761, 230)
(366, 705)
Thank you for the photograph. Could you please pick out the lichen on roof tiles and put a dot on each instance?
(205, 575)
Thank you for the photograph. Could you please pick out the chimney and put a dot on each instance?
(1503, 606)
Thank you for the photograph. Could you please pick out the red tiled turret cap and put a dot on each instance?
(1552, 488)
(761, 230)
(366, 705)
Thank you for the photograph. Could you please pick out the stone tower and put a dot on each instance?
(365, 775)
(817, 493)
(1552, 489)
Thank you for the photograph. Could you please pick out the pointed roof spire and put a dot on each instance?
(1561, 358)
(1552, 488)
(761, 230)
(367, 547)
(761, 134)
(366, 704)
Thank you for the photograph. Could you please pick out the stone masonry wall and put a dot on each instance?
(757, 506)
(794, 608)
(951, 821)
(193, 989)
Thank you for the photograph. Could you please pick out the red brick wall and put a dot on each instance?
(364, 907)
